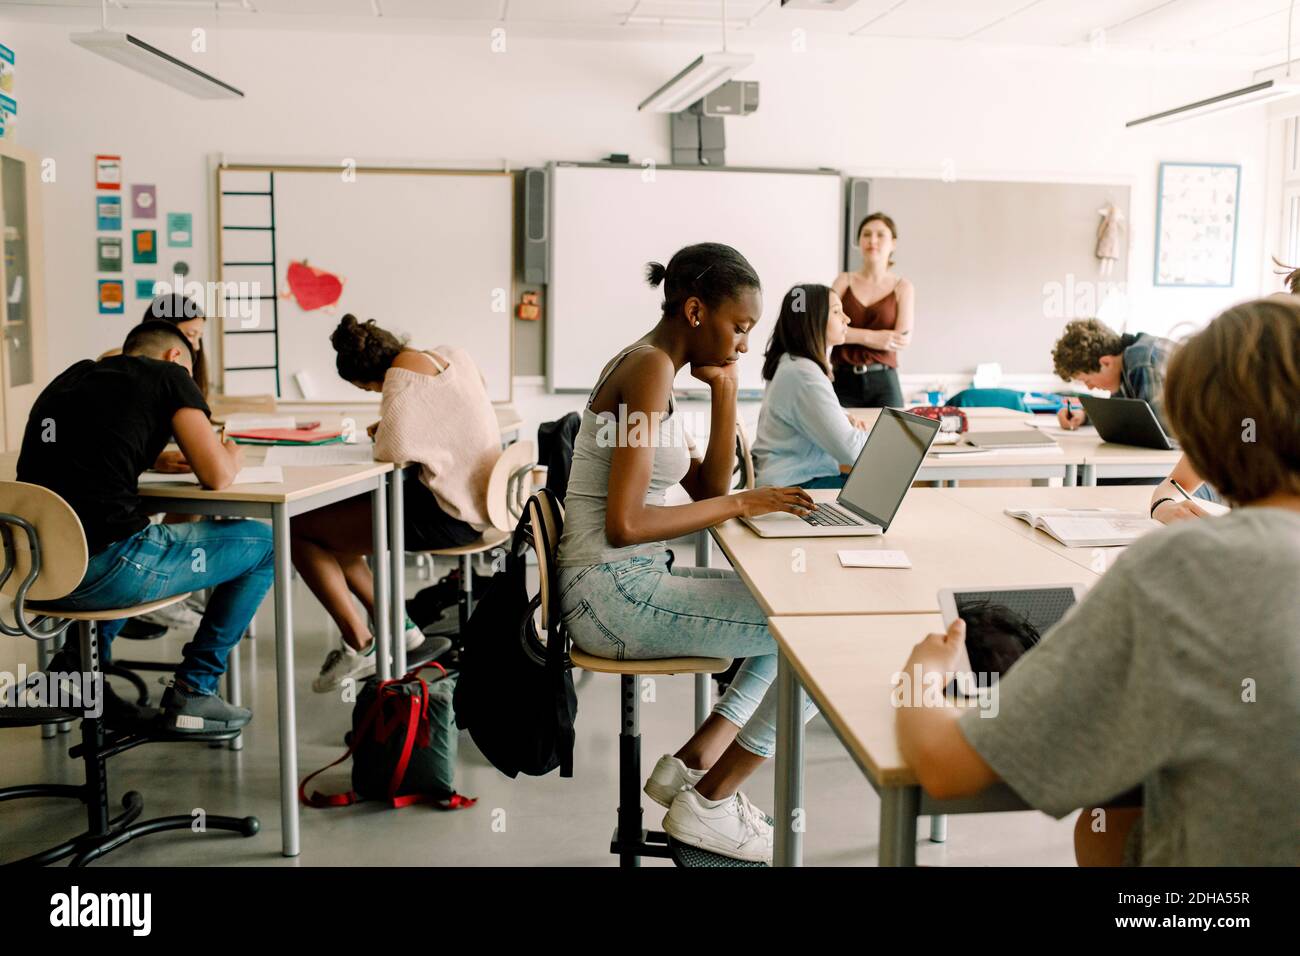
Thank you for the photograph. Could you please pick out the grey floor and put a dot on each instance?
(523, 822)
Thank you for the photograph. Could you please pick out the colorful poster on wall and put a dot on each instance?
(8, 105)
(144, 202)
(108, 213)
(108, 172)
(6, 69)
(1196, 224)
(144, 245)
(109, 253)
(180, 229)
(111, 296)
(144, 288)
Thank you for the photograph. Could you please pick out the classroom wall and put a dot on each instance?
(907, 109)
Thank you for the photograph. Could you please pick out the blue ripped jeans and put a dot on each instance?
(234, 558)
(638, 609)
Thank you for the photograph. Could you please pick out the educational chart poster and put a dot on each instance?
(108, 172)
(108, 213)
(144, 288)
(6, 70)
(1196, 224)
(144, 202)
(111, 295)
(180, 229)
(109, 254)
(144, 245)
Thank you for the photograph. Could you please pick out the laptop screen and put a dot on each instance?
(887, 465)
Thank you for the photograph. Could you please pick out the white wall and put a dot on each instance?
(861, 106)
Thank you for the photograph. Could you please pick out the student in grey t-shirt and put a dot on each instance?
(1180, 670)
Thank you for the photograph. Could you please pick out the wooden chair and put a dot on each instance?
(631, 840)
(508, 487)
(45, 558)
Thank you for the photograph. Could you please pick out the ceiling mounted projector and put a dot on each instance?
(706, 74)
(133, 52)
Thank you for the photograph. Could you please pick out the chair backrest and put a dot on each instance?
(545, 524)
(59, 536)
(744, 469)
(510, 484)
(989, 398)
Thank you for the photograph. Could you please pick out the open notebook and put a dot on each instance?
(1088, 527)
(251, 475)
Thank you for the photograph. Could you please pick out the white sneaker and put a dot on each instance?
(179, 615)
(670, 778)
(340, 664)
(732, 828)
(414, 637)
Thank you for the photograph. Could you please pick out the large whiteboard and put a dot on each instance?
(607, 222)
(427, 254)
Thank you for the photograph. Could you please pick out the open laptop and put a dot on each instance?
(867, 503)
(1126, 421)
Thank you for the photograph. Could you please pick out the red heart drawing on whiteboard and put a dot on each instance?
(313, 288)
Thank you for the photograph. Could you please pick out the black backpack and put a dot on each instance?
(515, 694)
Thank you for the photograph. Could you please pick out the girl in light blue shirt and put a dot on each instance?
(804, 435)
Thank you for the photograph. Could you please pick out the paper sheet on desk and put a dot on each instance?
(1053, 428)
(874, 559)
(252, 475)
(362, 453)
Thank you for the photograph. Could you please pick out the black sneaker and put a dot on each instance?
(189, 712)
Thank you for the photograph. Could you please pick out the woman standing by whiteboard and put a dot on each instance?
(880, 307)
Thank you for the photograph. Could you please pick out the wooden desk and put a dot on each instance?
(1105, 460)
(846, 665)
(949, 546)
(991, 503)
(303, 490)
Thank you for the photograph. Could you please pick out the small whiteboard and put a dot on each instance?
(428, 254)
(607, 222)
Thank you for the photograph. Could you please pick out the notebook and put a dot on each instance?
(252, 475)
(289, 436)
(1087, 527)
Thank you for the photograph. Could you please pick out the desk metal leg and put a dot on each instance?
(1071, 476)
(234, 690)
(397, 574)
(703, 548)
(788, 831)
(939, 828)
(284, 682)
(898, 812)
(1088, 475)
(379, 567)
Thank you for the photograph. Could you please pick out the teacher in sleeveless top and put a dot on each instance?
(879, 305)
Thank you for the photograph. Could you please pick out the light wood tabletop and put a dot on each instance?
(847, 663)
(948, 544)
(991, 503)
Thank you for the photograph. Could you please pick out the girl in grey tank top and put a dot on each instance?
(620, 597)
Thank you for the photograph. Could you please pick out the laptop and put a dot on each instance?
(1126, 421)
(1020, 438)
(870, 498)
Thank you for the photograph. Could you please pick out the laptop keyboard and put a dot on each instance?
(829, 516)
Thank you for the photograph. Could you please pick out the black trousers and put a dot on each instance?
(875, 389)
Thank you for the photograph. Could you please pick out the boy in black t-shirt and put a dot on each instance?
(90, 435)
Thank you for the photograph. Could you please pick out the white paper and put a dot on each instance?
(874, 559)
(362, 453)
(252, 475)
(251, 421)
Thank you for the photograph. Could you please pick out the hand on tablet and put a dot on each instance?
(941, 652)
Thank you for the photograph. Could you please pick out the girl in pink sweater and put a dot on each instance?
(434, 411)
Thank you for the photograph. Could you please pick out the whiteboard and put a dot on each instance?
(427, 254)
(607, 222)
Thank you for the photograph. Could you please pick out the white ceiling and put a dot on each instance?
(1254, 29)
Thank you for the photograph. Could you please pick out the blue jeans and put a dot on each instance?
(234, 558)
(637, 609)
(827, 481)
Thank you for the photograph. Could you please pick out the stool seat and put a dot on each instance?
(662, 665)
(491, 539)
(111, 614)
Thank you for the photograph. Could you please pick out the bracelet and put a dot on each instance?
(1159, 502)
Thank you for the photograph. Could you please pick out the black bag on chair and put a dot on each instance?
(515, 695)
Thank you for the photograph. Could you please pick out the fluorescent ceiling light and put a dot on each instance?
(140, 56)
(1261, 91)
(706, 74)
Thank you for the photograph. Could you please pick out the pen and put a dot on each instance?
(1179, 489)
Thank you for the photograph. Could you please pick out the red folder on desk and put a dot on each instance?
(288, 436)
